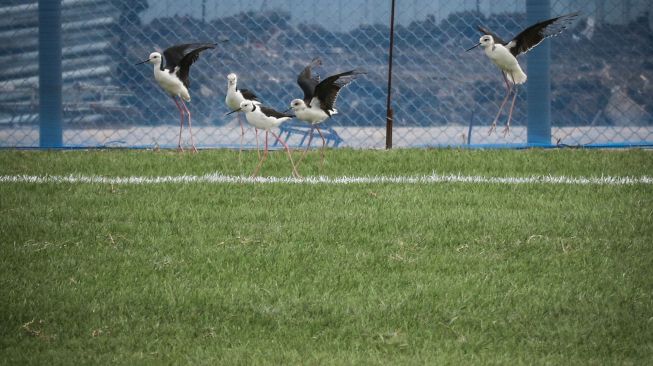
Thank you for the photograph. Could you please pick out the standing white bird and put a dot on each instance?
(504, 54)
(233, 99)
(265, 118)
(173, 77)
(319, 99)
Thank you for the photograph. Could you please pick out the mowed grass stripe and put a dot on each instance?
(338, 163)
(218, 178)
(358, 274)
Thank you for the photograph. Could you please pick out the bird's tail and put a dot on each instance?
(517, 77)
(184, 94)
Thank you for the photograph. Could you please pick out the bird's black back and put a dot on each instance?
(249, 95)
(274, 113)
(307, 82)
(536, 33)
(184, 55)
(327, 90)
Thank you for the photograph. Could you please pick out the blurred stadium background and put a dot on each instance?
(601, 70)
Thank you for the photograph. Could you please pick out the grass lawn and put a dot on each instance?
(242, 274)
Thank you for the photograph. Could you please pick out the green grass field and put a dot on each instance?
(246, 274)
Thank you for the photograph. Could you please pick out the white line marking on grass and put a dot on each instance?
(218, 178)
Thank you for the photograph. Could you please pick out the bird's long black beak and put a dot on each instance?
(142, 62)
(469, 49)
(234, 111)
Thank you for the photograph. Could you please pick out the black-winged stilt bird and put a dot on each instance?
(173, 77)
(319, 98)
(504, 54)
(233, 99)
(265, 118)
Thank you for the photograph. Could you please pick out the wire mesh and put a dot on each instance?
(601, 70)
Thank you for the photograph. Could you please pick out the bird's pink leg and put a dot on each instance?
(323, 146)
(265, 156)
(294, 170)
(308, 145)
(242, 136)
(506, 130)
(181, 123)
(190, 127)
(258, 149)
(508, 90)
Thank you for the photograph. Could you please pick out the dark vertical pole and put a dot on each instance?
(50, 78)
(539, 79)
(389, 112)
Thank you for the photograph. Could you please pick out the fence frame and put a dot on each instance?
(538, 127)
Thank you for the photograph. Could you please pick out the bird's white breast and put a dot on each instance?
(171, 83)
(502, 57)
(312, 115)
(260, 120)
(233, 99)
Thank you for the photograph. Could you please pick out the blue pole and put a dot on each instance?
(50, 79)
(539, 80)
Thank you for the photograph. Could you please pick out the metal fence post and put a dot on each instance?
(50, 78)
(539, 80)
(389, 112)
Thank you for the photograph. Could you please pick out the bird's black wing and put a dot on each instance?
(274, 113)
(184, 55)
(307, 82)
(248, 94)
(486, 31)
(174, 54)
(327, 90)
(536, 33)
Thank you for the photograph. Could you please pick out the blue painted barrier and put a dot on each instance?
(539, 80)
(50, 76)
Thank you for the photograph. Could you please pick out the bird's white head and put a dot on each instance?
(155, 58)
(247, 106)
(486, 41)
(232, 79)
(297, 105)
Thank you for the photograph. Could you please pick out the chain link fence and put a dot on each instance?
(601, 70)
